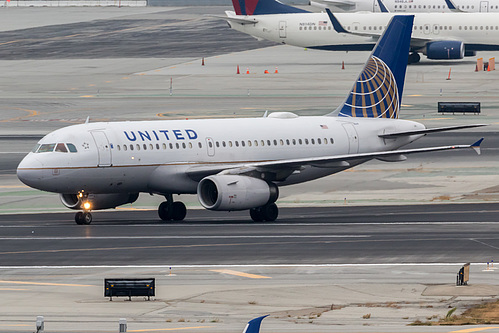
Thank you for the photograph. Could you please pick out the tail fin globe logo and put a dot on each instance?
(375, 94)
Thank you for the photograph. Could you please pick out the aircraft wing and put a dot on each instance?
(341, 29)
(284, 168)
(427, 131)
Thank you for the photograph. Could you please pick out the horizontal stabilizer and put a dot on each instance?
(476, 146)
(382, 7)
(237, 19)
(452, 6)
(427, 131)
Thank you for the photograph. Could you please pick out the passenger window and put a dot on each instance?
(131, 147)
(275, 142)
(256, 143)
(243, 144)
(190, 145)
(145, 146)
(171, 145)
(157, 146)
(124, 147)
(306, 141)
(230, 143)
(177, 145)
(299, 141)
(223, 143)
(237, 143)
(71, 147)
(313, 141)
(119, 147)
(332, 141)
(294, 142)
(318, 141)
(217, 144)
(281, 142)
(200, 145)
(249, 143)
(287, 142)
(49, 147)
(268, 143)
(138, 146)
(263, 143)
(184, 146)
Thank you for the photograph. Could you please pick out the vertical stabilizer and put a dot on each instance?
(263, 7)
(253, 325)
(377, 92)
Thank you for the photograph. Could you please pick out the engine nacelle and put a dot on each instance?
(233, 192)
(98, 201)
(445, 50)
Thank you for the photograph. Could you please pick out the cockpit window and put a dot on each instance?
(71, 147)
(35, 148)
(61, 147)
(48, 147)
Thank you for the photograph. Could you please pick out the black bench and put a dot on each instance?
(460, 107)
(129, 288)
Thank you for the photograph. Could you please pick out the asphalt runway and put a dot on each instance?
(339, 235)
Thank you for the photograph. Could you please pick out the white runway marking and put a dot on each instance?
(182, 237)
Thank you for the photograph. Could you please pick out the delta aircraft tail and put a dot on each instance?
(253, 325)
(377, 93)
(263, 7)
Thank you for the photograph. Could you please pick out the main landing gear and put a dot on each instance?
(169, 210)
(267, 213)
(83, 218)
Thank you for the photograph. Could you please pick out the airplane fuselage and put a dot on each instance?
(156, 156)
(478, 31)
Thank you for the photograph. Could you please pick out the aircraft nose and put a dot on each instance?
(29, 171)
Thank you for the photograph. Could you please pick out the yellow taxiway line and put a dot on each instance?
(231, 272)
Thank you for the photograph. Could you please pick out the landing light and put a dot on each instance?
(87, 205)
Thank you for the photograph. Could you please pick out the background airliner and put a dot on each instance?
(231, 164)
(436, 35)
(413, 6)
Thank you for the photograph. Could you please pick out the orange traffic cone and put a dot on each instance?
(266, 72)
(238, 70)
(276, 71)
(476, 68)
(247, 70)
(488, 67)
(202, 62)
(448, 78)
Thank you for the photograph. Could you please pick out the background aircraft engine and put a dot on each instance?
(445, 50)
(98, 201)
(232, 192)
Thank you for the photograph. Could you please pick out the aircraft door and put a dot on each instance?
(282, 29)
(353, 138)
(103, 148)
(210, 145)
(484, 6)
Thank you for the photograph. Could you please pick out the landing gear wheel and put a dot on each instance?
(265, 213)
(256, 214)
(414, 58)
(178, 211)
(270, 212)
(83, 218)
(175, 211)
(164, 211)
(79, 218)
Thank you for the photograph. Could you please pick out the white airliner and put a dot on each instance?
(231, 164)
(411, 6)
(436, 35)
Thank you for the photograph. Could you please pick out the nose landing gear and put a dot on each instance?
(83, 218)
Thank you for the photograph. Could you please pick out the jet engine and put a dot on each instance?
(445, 50)
(97, 201)
(234, 192)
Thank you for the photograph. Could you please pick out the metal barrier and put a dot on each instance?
(129, 288)
(460, 107)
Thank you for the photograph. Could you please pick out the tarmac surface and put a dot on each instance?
(372, 249)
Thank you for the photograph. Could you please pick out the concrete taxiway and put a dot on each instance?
(384, 240)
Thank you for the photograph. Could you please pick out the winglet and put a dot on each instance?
(88, 120)
(452, 6)
(253, 325)
(336, 24)
(476, 146)
(382, 7)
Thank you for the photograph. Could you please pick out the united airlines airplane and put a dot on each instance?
(436, 35)
(232, 164)
(412, 6)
